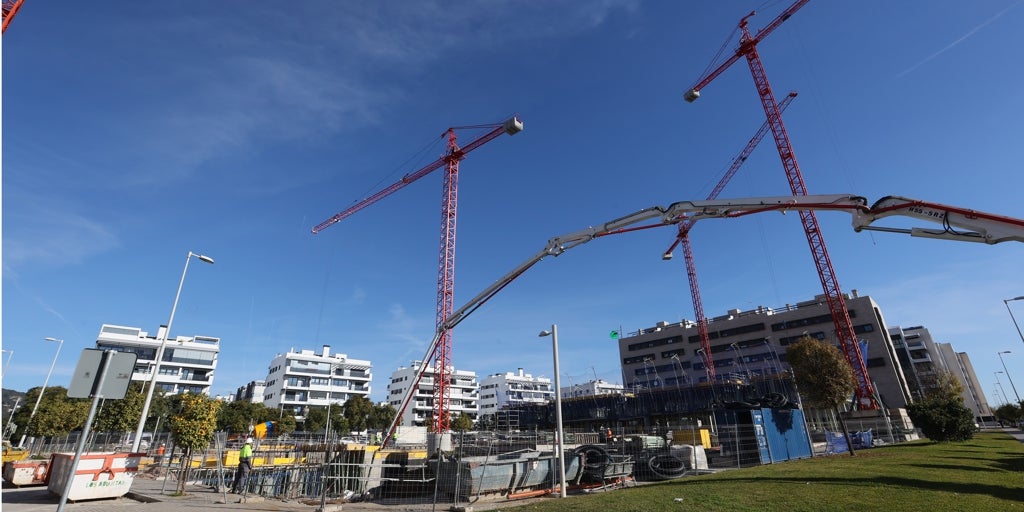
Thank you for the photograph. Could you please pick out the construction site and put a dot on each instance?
(678, 421)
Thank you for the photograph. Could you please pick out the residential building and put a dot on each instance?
(959, 364)
(918, 356)
(593, 388)
(513, 388)
(463, 397)
(187, 365)
(299, 380)
(752, 344)
(252, 392)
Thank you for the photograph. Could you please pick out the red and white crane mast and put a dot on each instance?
(10, 9)
(446, 265)
(833, 295)
(683, 237)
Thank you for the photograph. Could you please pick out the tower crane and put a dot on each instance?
(10, 9)
(441, 354)
(683, 238)
(830, 284)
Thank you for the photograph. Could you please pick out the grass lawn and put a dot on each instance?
(985, 473)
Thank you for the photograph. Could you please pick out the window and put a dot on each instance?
(654, 343)
(820, 335)
(637, 359)
(181, 355)
(741, 330)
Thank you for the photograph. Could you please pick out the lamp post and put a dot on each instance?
(1007, 372)
(559, 433)
(1006, 398)
(1006, 302)
(996, 391)
(8, 363)
(160, 352)
(60, 343)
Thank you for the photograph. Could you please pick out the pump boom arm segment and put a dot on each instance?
(984, 227)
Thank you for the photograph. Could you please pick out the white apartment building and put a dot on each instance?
(959, 364)
(463, 397)
(251, 392)
(187, 365)
(299, 380)
(513, 388)
(593, 388)
(752, 344)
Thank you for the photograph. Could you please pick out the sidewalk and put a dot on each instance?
(1015, 433)
(151, 495)
(160, 496)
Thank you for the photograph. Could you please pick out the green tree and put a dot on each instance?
(462, 423)
(121, 415)
(944, 386)
(1009, 414)
(239, 416)
(383, 415)
(942, 419)
(941, 415)
(283, 423)
(358, 411)
(193, 423)
(823, 376)
(57, 414)
(316, 419)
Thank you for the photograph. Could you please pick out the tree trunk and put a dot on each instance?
(183, 471)
(846, 432)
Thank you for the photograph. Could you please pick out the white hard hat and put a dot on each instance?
(248, 440)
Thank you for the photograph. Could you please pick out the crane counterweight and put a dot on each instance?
(513, 126)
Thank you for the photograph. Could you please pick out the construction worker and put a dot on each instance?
(244, 467)
(160, 453)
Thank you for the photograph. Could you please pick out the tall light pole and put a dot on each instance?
(1006, 302)
(160, 352)
(8, 363)
(60, 343)
(1006, 398)
(559, 433)
(1007, 372)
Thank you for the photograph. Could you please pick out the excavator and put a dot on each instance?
(960, 224)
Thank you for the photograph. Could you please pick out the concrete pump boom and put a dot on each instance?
(986, 227)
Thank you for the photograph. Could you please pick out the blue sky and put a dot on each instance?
(135, 132)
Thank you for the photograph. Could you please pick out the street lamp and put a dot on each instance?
(558, 409)
(1006, 398)
(60, 343)
(160, 351)
(8, 363)
(1006, 302)
(1014, 388)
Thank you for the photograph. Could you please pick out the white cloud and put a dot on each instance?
(51, 233)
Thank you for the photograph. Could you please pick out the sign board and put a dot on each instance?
(115, 385)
